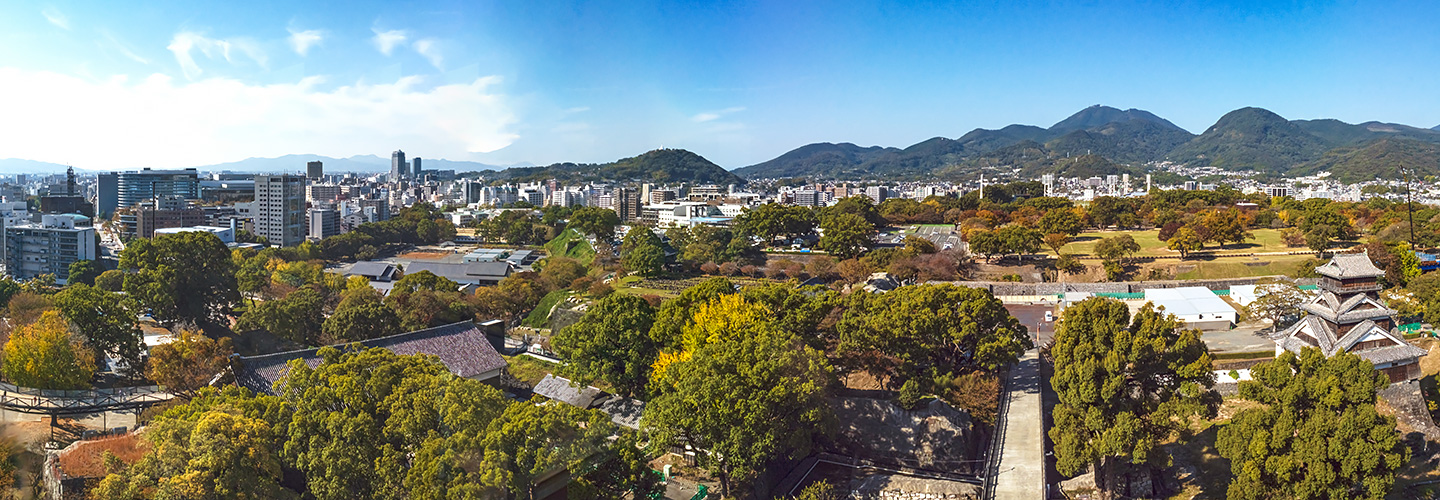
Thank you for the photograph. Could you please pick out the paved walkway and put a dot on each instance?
(1021, 472)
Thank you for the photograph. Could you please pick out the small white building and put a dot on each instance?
(1197, 305)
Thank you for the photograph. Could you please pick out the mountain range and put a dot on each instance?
(1105, 139)
(659, 166)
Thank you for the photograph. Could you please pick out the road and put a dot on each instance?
(1032, 317)
(1020, 474)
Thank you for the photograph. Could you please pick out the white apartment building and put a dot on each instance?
(280, 209)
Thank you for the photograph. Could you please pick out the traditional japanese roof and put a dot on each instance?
(625, 412)
(1346, 310)
(562, 390)
(1349, 266)
(1312, 331)
(462, 347)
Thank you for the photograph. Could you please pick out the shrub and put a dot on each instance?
(709, 268)
(977, 393)
(910, 395)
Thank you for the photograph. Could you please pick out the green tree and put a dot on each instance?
(611, 343)
(846, 235)
(1116, 248)
(594, 221)
(1056, 241)
(528, 441)
(1061, 221)
(915, 331)
(298, 316)
(986, 243)
(215, 454)
(361, 315)
(917, 245)
(773, 220)
(189, 362)
(1318, 435)
(424, 280)
(1318, 238)
(1019, 240)
(859, 205)
(111, 281)
(1277, 300)
(642, 252)
(678, 312)
(1185, 240)
(184, 276)
(107, 319)
(559, 272)
(1124, 387)
(83, 271)
(745, 401)
(47, 354)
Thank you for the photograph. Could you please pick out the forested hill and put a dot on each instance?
(1245, 139)
(1382, 158)
(658, 166)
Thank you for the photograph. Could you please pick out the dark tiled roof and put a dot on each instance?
(562, 390)
(467, 272)
(1350, 265)
(625, 412)
(462, 346)
(372, 269)
(1392, 354)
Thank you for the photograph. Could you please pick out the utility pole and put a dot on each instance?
(1409, 206)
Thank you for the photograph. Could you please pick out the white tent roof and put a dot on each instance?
(1189, 301)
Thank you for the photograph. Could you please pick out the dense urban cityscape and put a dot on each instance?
(628, 267)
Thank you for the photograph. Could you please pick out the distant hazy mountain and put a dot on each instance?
(358, 163)
(1336, 133)
(11, 166)
(1382, 158)
(1251, 138)
(1097, 115)
(1129, 141)
(659, 166)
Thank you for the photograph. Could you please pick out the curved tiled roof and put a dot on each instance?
(1350, 265)
(462, 346)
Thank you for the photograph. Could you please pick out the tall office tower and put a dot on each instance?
(397, 166)
(48, 247)
(107, 200)
(1048, 180)
(416, 163)
(20, 179)
(316, 170)
(133, 188)
(1125, 183)
(280, 208)
(324, 223)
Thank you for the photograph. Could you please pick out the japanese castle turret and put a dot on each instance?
(1347, 316)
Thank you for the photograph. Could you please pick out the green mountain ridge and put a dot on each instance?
(658, 166)
(1382, 158)
(1251, 138)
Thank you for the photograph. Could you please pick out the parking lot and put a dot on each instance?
(1032, 317)
(943, 236)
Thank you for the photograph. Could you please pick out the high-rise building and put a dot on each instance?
(397, 165)
(107, 200)
(49, 247)
(324, 223)
(807, 198)
(133, 188)
(380, 206)
(316, 170)
(280, 209)
(322, 192)
(878, 194)
(416, 163)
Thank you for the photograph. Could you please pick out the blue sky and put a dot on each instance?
(111, 85)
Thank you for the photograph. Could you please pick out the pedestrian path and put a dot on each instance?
(1020, 474)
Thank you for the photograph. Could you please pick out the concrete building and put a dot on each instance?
(808, 198)
(322, 192)
(141, 221)
(878, 194)
(315, 170)
(49, 247)
(324, 223)
(133, 188)
(397, 166)
(280, 209)
(107, 199)
(416, 164)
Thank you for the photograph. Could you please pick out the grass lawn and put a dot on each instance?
(528, 369)
(541, 314)
(571, 244)
(1241, 267)
(1266, 240)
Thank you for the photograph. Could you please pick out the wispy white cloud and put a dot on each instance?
(185, 42)
(429, 48)
(710, 116)
(111, 42)
(385, 41)
(166, 122)
(302, 40)
(56, 18)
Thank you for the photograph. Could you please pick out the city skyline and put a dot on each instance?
(110, 88)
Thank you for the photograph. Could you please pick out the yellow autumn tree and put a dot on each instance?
(47, 354)
(727, 317)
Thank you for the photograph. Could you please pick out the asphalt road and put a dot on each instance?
(1033, 318)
